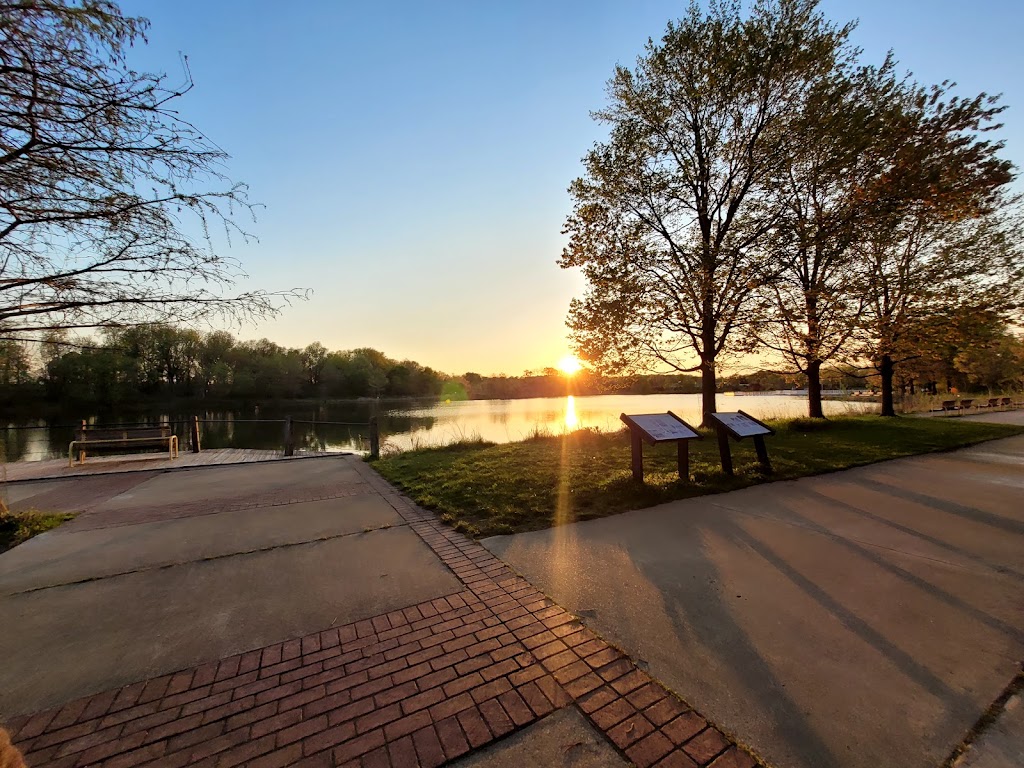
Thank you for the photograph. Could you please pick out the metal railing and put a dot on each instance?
(195, 432)
(195, 436)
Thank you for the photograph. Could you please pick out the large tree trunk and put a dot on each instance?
(708, 385)
(814, 409)
(812, 350)
(885, 368)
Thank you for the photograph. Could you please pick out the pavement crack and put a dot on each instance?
(210, 558)
(988, 718)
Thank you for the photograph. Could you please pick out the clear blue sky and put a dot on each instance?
(413, 157)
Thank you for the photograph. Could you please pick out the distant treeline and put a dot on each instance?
(159, 363)
(550, 383)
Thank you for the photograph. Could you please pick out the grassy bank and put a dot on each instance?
(485, 489)
(17, 527)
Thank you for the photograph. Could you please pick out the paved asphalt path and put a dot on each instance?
(860, 619)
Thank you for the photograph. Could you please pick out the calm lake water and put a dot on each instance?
(403, 424)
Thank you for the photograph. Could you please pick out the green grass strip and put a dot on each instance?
(18, 527)
(484, 489)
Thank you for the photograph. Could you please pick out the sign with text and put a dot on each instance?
(661, 427)
(741, 425)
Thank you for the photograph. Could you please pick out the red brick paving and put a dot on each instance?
(419, 686)
(82, 493)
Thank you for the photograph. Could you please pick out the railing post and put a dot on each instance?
(81, 450)
(374, 438)
(289, 445)
(195, 434)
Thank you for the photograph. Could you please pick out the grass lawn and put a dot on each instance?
(483, 489)
(16, 527)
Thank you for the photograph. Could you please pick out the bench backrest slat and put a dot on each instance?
(123, 433)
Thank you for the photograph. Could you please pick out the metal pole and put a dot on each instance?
(195, 434)
(289, 446)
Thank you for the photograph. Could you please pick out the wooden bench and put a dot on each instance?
(90, 437)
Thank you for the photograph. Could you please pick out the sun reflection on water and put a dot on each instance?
(571, 420)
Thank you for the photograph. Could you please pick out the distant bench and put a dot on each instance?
(952, 406)
(89, 438)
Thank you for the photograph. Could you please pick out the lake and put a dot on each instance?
(404, 424)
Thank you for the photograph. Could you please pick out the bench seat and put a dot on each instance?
(114, 437)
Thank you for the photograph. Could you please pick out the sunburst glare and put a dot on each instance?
(570, 365)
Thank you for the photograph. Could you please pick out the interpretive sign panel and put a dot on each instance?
(741, 425)
(659, 428)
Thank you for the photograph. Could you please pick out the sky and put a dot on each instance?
(412, 158)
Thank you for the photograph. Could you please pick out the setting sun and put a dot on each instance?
(570, 365)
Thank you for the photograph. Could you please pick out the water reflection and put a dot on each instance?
(403, 424)
(571, 420)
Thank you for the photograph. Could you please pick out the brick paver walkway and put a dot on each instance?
(419, 686)
(81, 494)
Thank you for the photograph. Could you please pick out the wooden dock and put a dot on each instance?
(98, 465)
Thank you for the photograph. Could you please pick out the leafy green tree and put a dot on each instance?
(674, 206)
(215, 372)
(15, 365)
(810, 310)
(920, 264)
(997, 365)
(932, 343)
(314, 358)
(941, 231)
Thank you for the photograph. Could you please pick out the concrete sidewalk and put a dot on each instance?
(168, 573)
(304, 613)
(860, 619)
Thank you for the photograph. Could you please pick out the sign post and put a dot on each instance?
(655, 428)
(741, 425)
